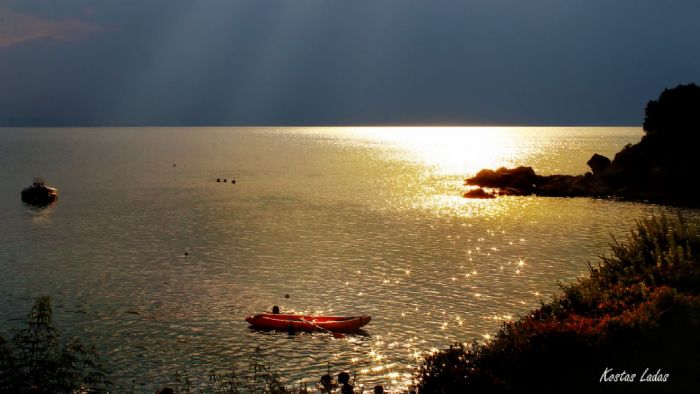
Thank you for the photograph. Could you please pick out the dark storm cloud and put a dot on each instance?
(341, 62)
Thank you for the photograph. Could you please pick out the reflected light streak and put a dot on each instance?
(449, 150)
(441, 158)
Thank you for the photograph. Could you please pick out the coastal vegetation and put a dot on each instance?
(631, 325)
(36, 360)
(659, 168)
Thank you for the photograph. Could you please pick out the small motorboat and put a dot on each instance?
(289, 322)
(39, 194)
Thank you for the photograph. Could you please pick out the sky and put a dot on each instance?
(341, 62)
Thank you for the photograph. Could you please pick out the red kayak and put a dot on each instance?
(276, 321)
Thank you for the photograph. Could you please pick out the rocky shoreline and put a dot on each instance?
(661, 168)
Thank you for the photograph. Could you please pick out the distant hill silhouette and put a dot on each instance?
(662, 167)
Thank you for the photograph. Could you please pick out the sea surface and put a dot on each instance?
(151, 259)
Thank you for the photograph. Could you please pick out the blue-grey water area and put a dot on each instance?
(149, 258)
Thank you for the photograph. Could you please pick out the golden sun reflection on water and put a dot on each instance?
(438, 159)
(450, 150)
(458, 206)
(429, 164)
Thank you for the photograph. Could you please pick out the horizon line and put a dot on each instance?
(367, 125)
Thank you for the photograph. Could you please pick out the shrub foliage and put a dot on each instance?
(36, 361)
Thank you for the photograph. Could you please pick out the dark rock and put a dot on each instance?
(511, 191)
(521, 178)
(556, 185)
(479, 193)
(598, 163)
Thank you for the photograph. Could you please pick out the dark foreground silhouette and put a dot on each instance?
(662, 167)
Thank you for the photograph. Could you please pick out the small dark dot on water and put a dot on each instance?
(187, 254)
(286, 296)
(174, 165)
(218, 180)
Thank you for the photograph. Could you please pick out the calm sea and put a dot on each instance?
(343, 220)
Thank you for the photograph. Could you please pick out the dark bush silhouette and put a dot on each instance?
(37, 362)
(663, 162)
(676, 113)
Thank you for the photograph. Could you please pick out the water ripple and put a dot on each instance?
(160, 269)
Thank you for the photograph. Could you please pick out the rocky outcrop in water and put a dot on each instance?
(523, 181)
(662, 167)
